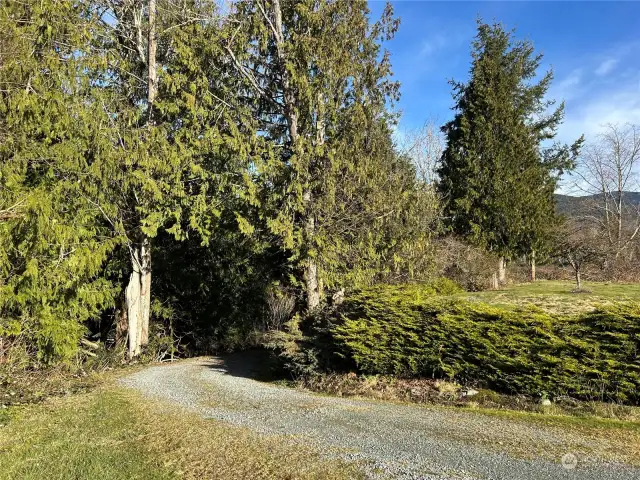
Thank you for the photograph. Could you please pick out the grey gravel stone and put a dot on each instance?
(389, 440)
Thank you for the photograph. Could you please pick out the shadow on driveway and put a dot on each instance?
(256, 364)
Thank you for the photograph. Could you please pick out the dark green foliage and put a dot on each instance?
(497, 177)
(265, 164)
(604, 352)
(306, 345)
(217, 297)
(593, 356)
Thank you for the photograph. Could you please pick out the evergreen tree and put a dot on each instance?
(319, 86)
(117, 124)
(496, 177)
(53, 243)
(173, 138)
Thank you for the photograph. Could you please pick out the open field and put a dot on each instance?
(557, 296)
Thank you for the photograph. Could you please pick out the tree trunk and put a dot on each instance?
(494, 281)
(138, 297)
(533, 265)
(121, 325)
(502, 274)
(311, 280)
(578, 280)
(152, 75)
(291, 114)
(311, 268)
(314, 285)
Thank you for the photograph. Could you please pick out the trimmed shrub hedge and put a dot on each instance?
(407, 332)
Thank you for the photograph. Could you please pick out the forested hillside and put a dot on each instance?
(574, 206)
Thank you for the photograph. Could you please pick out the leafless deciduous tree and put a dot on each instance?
(280, 306)
(609, 170)
(424, 146)
(577, 243)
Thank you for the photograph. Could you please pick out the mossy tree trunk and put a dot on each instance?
(138, 298)
(138, 291)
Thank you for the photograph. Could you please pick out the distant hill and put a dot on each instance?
(575, 206)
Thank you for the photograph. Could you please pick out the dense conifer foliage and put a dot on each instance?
(54, 244)
(408, 331)
(248, 150)
(499, 172)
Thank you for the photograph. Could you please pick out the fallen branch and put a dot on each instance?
(89, 344)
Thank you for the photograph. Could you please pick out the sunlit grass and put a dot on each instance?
(558, 296)
(111, 433)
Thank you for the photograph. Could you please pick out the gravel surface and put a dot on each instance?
(390, 440)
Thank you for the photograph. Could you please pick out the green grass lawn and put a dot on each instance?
(557, 296)
(111, 433)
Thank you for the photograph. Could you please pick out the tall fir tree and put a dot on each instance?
(319, 84)
(496, 176)
(173, 132)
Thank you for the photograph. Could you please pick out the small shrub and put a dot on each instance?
(469, 266)
(295, 352)
(280, 306)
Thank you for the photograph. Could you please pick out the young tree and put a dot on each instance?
(496, 179)
(577, 243)
(608, 172)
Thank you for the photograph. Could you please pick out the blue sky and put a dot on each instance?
(593, 48)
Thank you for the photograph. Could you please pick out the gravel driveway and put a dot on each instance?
(390, 440)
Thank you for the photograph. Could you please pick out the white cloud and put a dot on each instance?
(433, 45)
(606, 66)
(588, 118)
(598, 93)
(444, 39)
(568, 87)
(588, 114)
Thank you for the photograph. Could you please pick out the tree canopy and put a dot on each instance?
(499, 170)
(243, 148)
(170, 171)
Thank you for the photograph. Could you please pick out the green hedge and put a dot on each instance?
(402, 331)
